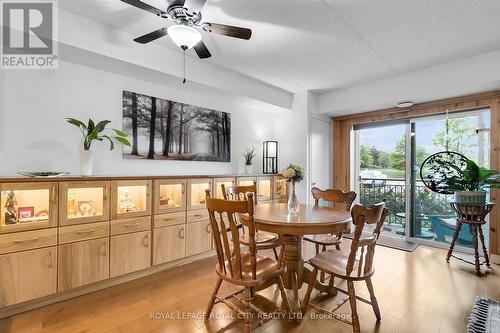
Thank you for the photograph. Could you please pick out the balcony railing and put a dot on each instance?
(393, 192)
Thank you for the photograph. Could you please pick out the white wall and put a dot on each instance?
(35, 136)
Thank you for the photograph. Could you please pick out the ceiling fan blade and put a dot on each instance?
(228, 30)
(194, 6)
(144, 6)
(201, 50)
(151, 36)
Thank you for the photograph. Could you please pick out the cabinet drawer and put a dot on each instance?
(81, 232)
(126, 226)
(197, 215)
(165, 220)
(21, 241)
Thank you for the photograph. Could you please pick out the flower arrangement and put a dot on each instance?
(293, 173)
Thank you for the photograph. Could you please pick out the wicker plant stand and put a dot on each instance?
(473, 215)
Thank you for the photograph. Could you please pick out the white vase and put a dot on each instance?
(248, 169)
(86, 162)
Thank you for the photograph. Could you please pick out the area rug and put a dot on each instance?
(484, 316)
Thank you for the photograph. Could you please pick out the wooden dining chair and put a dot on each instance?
(246, 269)
(349, 267)
(335, 198)
(265, 240)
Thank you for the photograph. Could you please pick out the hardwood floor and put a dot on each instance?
(417, 292)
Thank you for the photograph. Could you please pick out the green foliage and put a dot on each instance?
(366, 160)
(473, 178)
(92, 132)
(459, 131)
(249, 155)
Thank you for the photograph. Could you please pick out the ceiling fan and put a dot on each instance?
(188, 20)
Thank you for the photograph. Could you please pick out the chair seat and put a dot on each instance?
(324, 239)
(267, 268)
(335, 262)
(260, 237)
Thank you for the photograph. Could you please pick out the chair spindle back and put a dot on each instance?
(223, 221)
(239, 192)
(362, 216)
(334, 197)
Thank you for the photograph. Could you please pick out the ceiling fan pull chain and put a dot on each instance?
(184, 64)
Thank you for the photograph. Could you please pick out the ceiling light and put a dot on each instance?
(183, 36)
(405, 104)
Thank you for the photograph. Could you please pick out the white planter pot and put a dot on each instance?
(86, 162)
(472, 197)
(248, 169)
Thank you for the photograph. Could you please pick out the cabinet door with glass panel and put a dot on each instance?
(170, 195)
(197, 194)
(130, 198)
(217, 191)
(28, 206)
(264, 189)
(246, 181)
(279, 189)
(83, 202)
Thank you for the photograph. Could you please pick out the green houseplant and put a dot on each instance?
(248, 156)
(95, 132)
(293, 174)
(470, 183)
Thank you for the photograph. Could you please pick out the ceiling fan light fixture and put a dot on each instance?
(405, 104)
(184, 36)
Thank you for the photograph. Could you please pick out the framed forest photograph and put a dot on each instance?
(161, 129)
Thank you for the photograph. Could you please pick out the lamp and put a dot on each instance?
(270, 157)
(184, 36)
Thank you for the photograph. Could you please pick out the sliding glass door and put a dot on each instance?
(381, 171)
(388, 159)
(466, 133)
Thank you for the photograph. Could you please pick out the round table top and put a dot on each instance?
(310, 219)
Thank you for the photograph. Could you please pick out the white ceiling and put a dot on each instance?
(325, 45)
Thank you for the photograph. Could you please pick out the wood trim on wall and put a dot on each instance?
(342, 127)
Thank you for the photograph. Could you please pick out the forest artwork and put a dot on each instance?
(166, 130)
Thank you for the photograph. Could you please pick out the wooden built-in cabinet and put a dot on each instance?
(169, 244)
(170, 195)
(83, 202)
(199, 237)
(28, 206)
(27, 275)
(196, 193)
(280, 189)
(217, 190)
(130, 198)
(73, 233)
(82, 263)
(130, 253)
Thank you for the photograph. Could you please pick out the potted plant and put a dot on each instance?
(470, 184)
(249, 155)
(293, 174)
(92, 132)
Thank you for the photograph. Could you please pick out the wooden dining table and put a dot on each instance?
(309, 221)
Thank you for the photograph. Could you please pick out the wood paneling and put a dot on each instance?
(198, 238)
(342, 127)
(130, 253)
(27, 275)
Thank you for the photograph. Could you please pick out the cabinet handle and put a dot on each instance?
(208, 228)
(183, 187)
(181, 233)
(145, 241)
(131, 225)
(103, 249)
(26, 240)
(196, 215)
(168, 219)
(79, 232)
